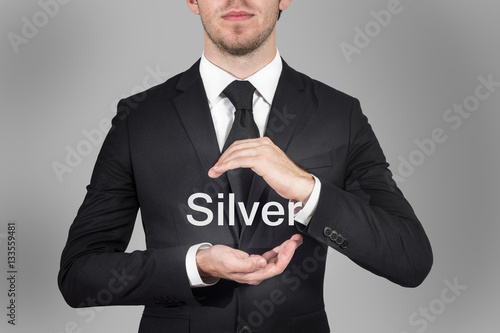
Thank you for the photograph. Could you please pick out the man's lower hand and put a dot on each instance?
(227, 263)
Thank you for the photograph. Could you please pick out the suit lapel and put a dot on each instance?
(193, 110)
(289, 114)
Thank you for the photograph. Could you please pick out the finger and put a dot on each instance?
(274, 267)
(249, 143)
(272, 260)
(274, 252)
(242, 160)
(298, 238)
(245, 265)
(240, 145)
(285, 256)
(221, 166)
(240, 148)
(277, 264)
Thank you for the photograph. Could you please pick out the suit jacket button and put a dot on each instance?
(327, 231)
(245, 329)
(334, 236)
(340, 239)
(174, 303)
(344, 244)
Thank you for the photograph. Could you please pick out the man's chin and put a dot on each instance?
(238, 49)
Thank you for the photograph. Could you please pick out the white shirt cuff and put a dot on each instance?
(304, 215)
(195, 280)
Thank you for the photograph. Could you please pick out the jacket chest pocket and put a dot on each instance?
(325, 167)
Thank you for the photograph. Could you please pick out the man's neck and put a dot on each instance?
(241, 67)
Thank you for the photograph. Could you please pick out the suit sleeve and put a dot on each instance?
(369, 220)
(95, 270)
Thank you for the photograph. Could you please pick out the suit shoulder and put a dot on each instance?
(162, 91)
(325, 98)
(324, 93)
(327, 90)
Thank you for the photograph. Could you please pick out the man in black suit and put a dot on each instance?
(318, 178)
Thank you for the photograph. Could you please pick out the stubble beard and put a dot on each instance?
(239, 45)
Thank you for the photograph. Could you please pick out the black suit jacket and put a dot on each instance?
(158, 154)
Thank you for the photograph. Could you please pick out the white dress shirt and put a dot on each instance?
(265, 81)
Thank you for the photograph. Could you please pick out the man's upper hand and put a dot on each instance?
(227, 263)
(271, 163)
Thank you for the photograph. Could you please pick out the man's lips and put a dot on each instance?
(237, 16)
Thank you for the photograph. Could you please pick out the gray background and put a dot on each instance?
(68, 77)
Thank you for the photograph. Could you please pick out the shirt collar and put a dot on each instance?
(216, 79)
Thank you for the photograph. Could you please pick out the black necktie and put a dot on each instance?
(240, 93)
